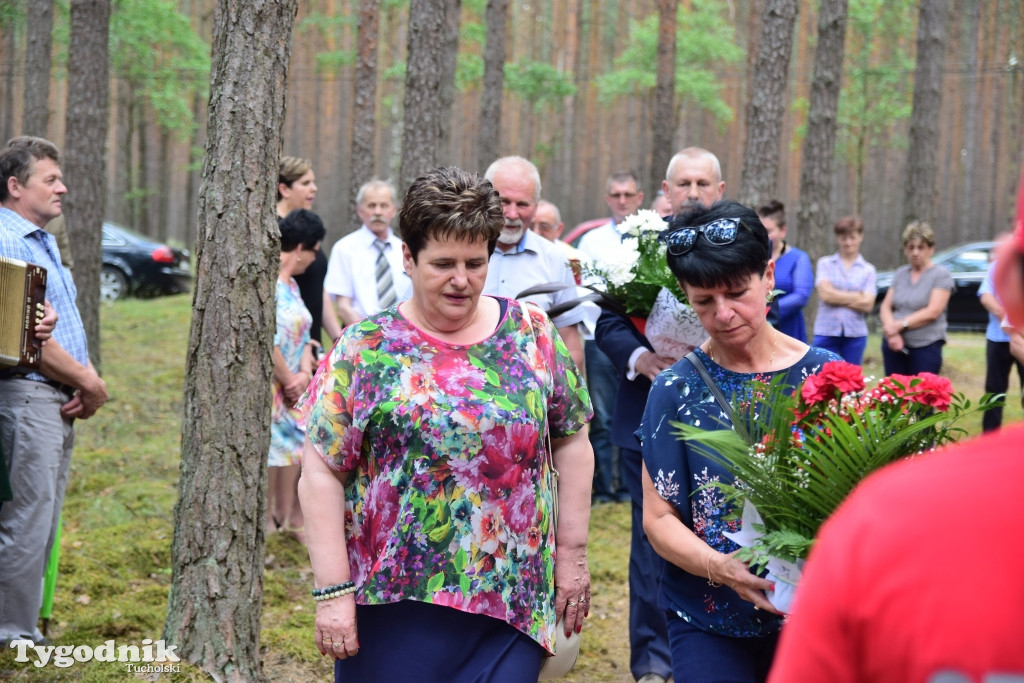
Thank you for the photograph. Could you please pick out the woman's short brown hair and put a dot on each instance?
(291, 169)
(450, 203)
(849, 225)
(919, 230)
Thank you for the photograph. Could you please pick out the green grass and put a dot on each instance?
(118, 519)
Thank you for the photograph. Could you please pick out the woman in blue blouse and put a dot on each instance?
(794, 274)
(721, 625)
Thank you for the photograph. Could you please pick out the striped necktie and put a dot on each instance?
(385, 284)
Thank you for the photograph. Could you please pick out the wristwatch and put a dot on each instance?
(906, 325)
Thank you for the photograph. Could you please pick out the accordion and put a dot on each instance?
(22, 292)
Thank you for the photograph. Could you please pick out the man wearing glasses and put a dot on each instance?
(604, 243)
(693, 177)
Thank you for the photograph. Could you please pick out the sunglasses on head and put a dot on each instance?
(718, 233)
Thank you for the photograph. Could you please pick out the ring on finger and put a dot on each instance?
(570, 604)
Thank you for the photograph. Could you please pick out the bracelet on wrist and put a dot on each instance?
(330, 589)
(713, 584)
(331, 592)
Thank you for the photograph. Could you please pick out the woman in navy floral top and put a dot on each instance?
(721, 625)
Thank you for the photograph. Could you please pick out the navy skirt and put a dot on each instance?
(417, 641)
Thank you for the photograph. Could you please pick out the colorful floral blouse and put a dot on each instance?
(449, 500)
(291, 336)
(678, 472)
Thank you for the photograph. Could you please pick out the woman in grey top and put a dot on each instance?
(913, 312)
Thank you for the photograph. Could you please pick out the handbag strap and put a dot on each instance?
(716, 391)
(552, 472)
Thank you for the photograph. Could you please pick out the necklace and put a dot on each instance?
(771, 356)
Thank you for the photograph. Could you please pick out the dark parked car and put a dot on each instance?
(968, 264)
(135, 265)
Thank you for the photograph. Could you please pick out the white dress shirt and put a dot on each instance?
(351, 270)
(534, 261)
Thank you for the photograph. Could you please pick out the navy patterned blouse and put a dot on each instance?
(679, 394)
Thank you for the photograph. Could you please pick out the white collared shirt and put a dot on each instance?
(351, 270)
(534, 261)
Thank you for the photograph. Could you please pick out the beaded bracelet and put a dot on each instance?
(335, 594)
(317, 592)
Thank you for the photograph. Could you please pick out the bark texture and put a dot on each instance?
(815, 214)
(85, 156)
(364, 93)
(216, 598)
(489, 147)
(664, 110)
(923, 150)
(423, 132)
(767, 107)
(39, 40)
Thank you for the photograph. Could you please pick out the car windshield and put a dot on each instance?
(971, 261)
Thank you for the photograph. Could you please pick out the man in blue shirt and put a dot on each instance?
(38, 409)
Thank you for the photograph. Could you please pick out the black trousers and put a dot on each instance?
(998, 364)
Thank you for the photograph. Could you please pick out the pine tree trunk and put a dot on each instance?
(815, 213)
(489, 146)
(364, 95)
(39, 39)
(767, 106)
(664, 110)
(922, 154)
(85, 161)
(216, 598)
(446, 95)
(966, 227)
(423, 127)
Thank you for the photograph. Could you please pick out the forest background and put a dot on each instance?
(577, 99)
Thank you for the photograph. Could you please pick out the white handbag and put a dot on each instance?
(567, 650)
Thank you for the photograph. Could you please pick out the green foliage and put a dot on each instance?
(797, 457)
(328, 26)
(332, 62)
(331, 28)
(538, 83)
(877, 89)
(154, 48)
(12, 15)
(704, 39)
(469, 71)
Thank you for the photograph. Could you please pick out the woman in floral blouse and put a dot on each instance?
(721, 626)
(426, 474)
(301, 234)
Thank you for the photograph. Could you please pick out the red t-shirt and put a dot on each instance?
(919, 573)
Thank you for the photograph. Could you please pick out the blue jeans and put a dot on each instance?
(850, 348)
(921, 359)
(603, 384)
(702, 657)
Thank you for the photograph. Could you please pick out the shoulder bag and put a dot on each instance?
(567, 650)
(716, 391)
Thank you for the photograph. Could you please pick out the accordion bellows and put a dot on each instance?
(22, 293)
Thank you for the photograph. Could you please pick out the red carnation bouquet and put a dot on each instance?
(796, 455)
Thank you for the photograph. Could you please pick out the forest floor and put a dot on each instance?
(115, 564)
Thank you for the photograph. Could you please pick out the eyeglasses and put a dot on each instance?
(718, 233)
(622, 195)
